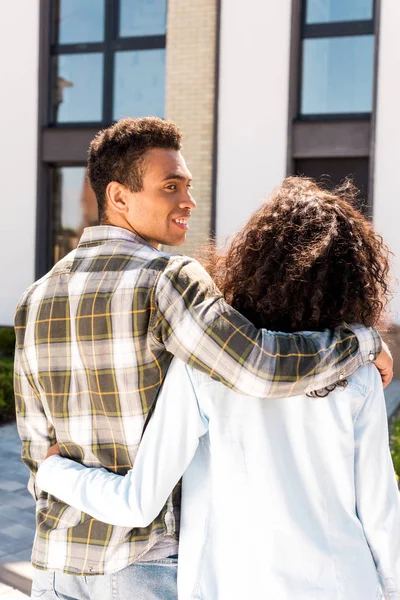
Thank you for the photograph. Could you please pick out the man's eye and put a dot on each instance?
(171, 186)
(189, 186)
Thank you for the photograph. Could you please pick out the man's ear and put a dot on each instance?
(116, 195)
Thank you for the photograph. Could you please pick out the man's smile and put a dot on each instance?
(181, 222)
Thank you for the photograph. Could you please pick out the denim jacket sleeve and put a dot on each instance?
(377, 494)
(167, 448)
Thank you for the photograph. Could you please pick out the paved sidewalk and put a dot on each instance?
(392, 397)
(17, 513)
(8, 593)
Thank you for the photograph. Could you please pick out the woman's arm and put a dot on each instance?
(377, 494)
(167, 447)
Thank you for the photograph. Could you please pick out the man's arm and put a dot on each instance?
(35, 430)
(384, 364)
(377, 495)
(192, 320)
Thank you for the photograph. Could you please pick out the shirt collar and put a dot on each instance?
(94, 236)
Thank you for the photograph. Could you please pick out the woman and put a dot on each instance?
(285, 499)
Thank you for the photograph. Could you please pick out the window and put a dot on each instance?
(332, 171)
(146, 66)
(337, 58)
(107, 60)
(74, 208)
(331, 11)
(100, 60)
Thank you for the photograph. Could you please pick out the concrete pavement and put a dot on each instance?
(17, 514)
(8, 593)
(392, 397)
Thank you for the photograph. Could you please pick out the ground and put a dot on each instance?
(8, 593)
(17, 516)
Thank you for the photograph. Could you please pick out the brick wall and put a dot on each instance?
(190, 88)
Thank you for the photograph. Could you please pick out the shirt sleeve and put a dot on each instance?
(377, 494)
(193, 322)
(168, 446)
(35, 430)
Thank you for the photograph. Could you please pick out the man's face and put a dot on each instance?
(159, 213)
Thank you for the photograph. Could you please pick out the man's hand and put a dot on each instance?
(53, 450)
(384, 364)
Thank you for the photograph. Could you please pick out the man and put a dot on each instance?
(95, 337)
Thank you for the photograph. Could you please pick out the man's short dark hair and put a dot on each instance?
(118, 153)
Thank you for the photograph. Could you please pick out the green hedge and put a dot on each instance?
(395, 444)
(7, 345)
(7, 406)
(7, 341)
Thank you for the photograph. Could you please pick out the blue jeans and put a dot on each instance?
(152, 580)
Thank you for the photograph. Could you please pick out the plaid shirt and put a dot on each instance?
(95, 337)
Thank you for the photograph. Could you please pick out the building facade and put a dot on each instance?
(261, 89)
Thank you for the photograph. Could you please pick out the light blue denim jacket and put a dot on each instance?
(290, 499)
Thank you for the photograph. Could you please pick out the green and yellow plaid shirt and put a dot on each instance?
(95, 337)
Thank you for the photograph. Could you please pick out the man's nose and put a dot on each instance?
(188, 201)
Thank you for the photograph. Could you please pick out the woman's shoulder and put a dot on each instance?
(179, 372)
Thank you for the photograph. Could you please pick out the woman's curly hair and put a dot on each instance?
(306, 260)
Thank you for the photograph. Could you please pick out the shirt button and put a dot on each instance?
(341, 375)
(371, 356)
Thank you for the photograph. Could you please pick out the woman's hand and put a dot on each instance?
(53, 450)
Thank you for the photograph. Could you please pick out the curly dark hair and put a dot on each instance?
(306, 260)
(118, 152)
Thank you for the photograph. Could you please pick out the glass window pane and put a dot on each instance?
(337, 75)
(142, 17)
(78, 88)
(329, 11)
(139, 84)
(79, 21)
(74, 208)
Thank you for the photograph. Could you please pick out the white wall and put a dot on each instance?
(253, 106)
(19, 41)
(387, 149)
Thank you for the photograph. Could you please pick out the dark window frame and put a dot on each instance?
(66, 144)
(328, 177)
(112, 44)
(51, 170)
(330, 30)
